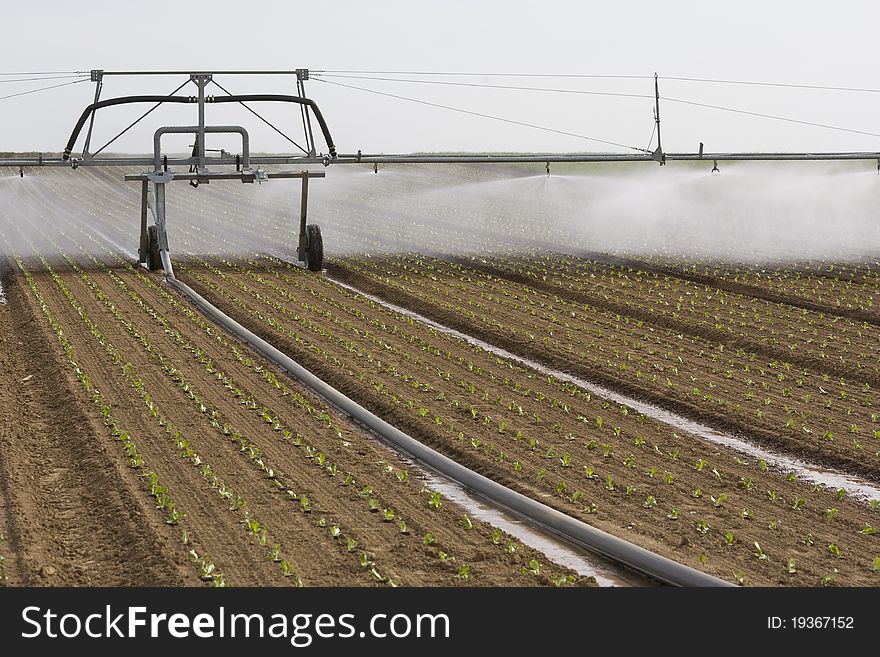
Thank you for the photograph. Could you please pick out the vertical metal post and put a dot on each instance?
(303, 211)
(201, 80)
(658, 154)
(160, 216)
(144, 247)
(302, 74)
(97, 76)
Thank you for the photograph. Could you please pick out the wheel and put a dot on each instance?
(154, 261)
(315, 249)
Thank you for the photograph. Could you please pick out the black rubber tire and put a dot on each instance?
(154, 261)
(315, 250)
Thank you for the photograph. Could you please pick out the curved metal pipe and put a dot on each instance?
(193, 129)
(574, 531)
(125, 100)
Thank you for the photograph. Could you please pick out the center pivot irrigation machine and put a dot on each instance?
(154, 251)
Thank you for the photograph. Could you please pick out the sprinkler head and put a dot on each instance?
(715, 170)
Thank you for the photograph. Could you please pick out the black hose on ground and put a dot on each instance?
(572, 530)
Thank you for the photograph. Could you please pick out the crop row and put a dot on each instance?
(164, 503)
(370, 498)
(500, 416)
(773, 399)
(826, 342)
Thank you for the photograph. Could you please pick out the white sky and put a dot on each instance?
(780, 41)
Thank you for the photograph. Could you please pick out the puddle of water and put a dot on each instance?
(605, 572)
(854, 486)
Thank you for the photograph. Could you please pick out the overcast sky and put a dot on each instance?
(774, 41)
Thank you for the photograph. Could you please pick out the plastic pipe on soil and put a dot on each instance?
(574, 531)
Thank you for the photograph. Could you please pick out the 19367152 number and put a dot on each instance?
(821, 622)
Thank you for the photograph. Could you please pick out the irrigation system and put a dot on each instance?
(205, 165)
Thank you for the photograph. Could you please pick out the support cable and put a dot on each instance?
(266, 121)
(53, 77)
(651, 139)
(626, 95)
(137, 120)
(486, 86)
(785, 85)
(45, 73)
(770, 116)
(497, 75)
(480, 114)
(34, 91)
(789, 85)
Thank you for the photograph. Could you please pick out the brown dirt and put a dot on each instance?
(73, 511)
(596, 347)
(304, 538)
(396, 367)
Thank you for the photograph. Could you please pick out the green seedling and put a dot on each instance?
(702, 526)
(718, 502)
(829, 579)
(673, 515)
(760, 553)
(790, 567)
(799, 503)
(351, 544)
(428, 539)
(835, 550)
(434, 501)
(175, 517)
(274, 553)
(466, 523)
(729, 538)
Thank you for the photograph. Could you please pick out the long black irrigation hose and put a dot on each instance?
(574, 531)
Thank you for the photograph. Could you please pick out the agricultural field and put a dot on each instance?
(143, 445)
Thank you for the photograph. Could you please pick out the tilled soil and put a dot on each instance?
(540, 437)
(73, 512)
(364, 524)
(802, 411)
